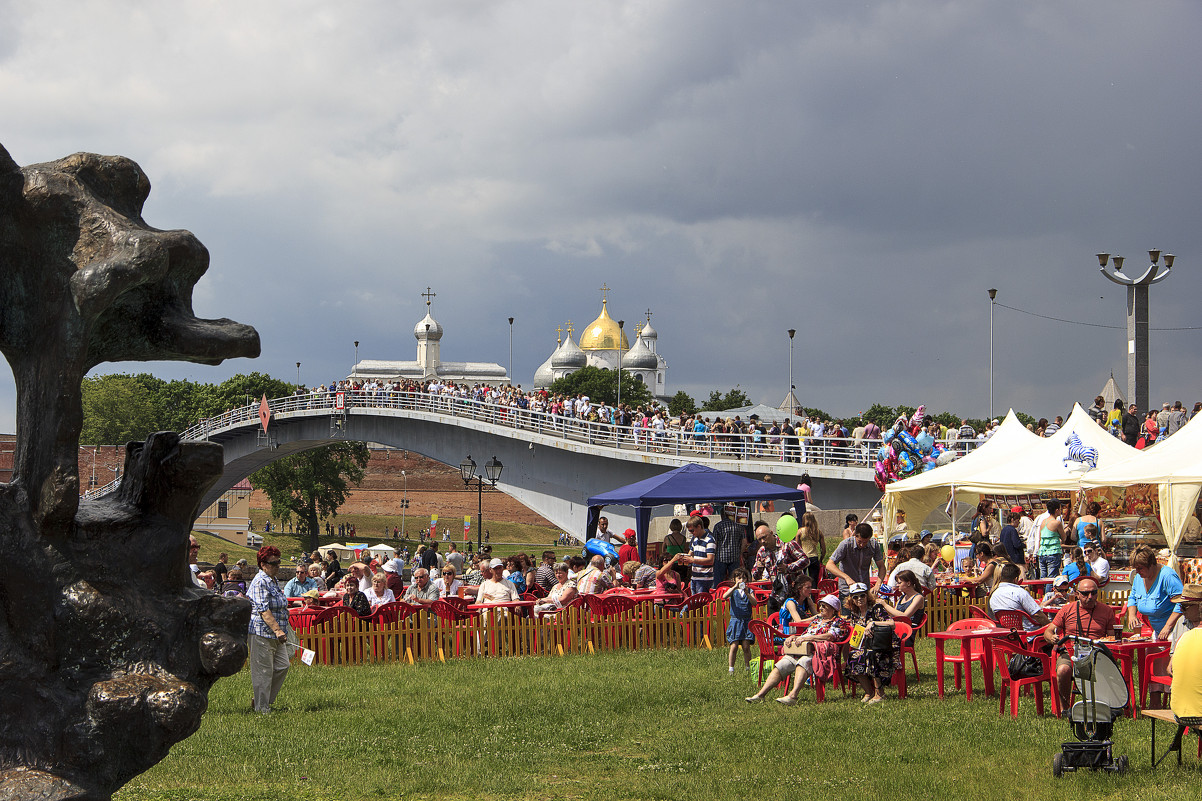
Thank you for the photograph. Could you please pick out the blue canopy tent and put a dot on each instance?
(690, 483)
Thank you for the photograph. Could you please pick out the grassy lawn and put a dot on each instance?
(642, 725)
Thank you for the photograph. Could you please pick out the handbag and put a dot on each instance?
(1024, 667)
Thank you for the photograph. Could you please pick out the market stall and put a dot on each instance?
(1165, 481)
(1012, 467)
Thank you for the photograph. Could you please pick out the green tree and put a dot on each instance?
(601, 385)
(682, 403)
(718, 402)
(116, 409)
(313, 484)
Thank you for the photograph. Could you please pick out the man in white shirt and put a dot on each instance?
(1008, 595)
(914, 563)
(497, 589)
(1097, 563)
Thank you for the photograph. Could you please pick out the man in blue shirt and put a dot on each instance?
(298, 586)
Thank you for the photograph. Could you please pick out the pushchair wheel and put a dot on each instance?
(1058, 765)
(1120, 763)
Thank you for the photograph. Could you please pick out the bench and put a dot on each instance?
(1168, 716)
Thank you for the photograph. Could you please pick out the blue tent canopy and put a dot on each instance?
(690, 483)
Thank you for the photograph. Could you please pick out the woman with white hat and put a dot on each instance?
(814, 652)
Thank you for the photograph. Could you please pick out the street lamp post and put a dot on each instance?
(619, 402)
(467, 471)
(356, 351)
(1137, 317)
(789, 394)
(992, 303)
(511, 351)
(298, 383)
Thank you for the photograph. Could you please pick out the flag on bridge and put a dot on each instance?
(264, 412)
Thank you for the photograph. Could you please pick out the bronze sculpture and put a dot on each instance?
(107, 650)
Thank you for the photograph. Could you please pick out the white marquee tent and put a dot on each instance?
(1174, 465)
(1013, 461)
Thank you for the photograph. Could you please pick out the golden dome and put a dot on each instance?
(603, 333)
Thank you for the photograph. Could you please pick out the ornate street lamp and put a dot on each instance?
(467, 471)
(1137, 317)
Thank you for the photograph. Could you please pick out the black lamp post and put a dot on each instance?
(467, 471)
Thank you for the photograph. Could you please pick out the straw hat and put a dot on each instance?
(1191, 594)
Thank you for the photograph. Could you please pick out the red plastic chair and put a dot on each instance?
(820, 684)
(1009, 645)
(690, 604)
(1153, 670)
(449, 616)
(909, 649)
(347, 648)
(388, 614)
(977, 650)
(1015, 619)
(979, 612)
(764, 634)
(903, 630)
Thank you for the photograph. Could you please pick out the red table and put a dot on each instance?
(965, 638)
(1127, 652)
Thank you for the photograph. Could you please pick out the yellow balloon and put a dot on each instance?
(948, 553)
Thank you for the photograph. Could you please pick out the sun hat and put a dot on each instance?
(1191, 594)
(832, 601)
(311, 594)
(857, 588)
(496, 563)
(925, 533)
(389, 567)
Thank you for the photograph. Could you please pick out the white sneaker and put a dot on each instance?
(730, 670)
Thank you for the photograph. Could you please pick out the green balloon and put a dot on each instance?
(786, 528)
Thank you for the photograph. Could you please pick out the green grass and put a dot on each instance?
(643, 725)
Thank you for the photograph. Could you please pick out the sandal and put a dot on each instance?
(786, 700)
(877, 699)
(753, 699)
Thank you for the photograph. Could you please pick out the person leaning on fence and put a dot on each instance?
(814, 651)
(269, 652)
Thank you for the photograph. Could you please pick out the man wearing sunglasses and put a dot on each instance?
(1098, 565)
(1084, 617)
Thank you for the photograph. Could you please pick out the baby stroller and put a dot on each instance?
(1104, 696)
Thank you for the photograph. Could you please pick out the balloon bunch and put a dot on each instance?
(908, 450)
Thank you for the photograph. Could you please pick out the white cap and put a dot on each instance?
(496, 563)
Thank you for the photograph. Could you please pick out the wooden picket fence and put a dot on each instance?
(349, 640)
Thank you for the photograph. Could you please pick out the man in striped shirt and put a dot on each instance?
(701, 558)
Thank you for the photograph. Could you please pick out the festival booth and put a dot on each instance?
(690, 483)
(1168, 476)
(1014, 466)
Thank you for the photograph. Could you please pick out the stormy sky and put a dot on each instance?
(861, 172)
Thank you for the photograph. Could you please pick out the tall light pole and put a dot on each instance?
(298, 383)
(511, 351)
(620, 324)
(356, 351)
(789, 394)
(992, 303)
(467, 471)
(1137, 317)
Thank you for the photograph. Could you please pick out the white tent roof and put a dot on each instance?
(1177, 459)
(1041, 465)
(919, 494)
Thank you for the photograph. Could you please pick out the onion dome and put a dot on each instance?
(603, 333)
(648, 333)
(568, 355)
(639, 357)
(427, 328)
(543, 377)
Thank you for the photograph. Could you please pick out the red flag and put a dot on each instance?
(264, 412)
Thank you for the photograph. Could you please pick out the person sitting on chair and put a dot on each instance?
(814, 652)
(1084, 617)
(1186, 668)
(1008, 595)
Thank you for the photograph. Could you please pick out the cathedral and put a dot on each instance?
(602, 343)
(429, 364)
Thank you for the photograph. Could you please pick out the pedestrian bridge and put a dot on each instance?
(552, 464)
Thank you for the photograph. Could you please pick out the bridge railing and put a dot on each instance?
(833, 451)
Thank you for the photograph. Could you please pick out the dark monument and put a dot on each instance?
(107, 650)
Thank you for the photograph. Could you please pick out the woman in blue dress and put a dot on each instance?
(1152, 589)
